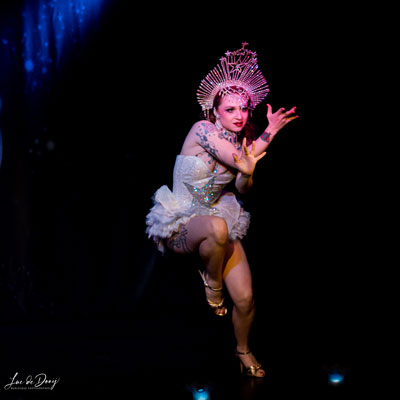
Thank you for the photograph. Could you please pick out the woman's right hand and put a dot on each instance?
(248, 160)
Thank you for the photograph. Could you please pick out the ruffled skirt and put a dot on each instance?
(169, 213)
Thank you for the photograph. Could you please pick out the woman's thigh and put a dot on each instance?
(197, 229)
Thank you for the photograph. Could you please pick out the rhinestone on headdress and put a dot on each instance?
(237, 73)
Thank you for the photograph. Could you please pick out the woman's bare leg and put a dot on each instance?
(238, 281)
(209, 236)
(226, 261)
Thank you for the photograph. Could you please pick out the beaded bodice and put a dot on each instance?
(195, 185)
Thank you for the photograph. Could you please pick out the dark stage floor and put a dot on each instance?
(160, 358)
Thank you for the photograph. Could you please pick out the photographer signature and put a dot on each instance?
(39, 381)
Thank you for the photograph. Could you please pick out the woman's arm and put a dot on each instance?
(243, 182)
(246, 166)
(204, 134)
(276, 121)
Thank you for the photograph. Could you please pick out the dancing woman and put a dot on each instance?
(197, 216)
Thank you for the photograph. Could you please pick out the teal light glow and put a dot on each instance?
(200, 394)
(336, 378)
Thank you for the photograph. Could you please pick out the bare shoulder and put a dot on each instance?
(203, 127)
(203, 130)
(197, 135)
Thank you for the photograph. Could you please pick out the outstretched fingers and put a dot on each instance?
(281, 111)
(261, 156)
(253, 152)
(253, 149)
(290, 114)
(244, 144)
(269, 110)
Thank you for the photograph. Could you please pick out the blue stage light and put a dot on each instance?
(29, 65)
(200, 394)
(50, 28)
(336, 378)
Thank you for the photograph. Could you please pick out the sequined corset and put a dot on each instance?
(195, 185)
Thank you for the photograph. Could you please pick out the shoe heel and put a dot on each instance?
(241, 368)
(250, 371)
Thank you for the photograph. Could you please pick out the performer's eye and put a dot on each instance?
(229, 110)
(245, 109)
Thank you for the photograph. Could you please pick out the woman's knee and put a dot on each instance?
(212, 229)
(218, 230)
(245, 302)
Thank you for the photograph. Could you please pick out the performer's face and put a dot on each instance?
(233, 112)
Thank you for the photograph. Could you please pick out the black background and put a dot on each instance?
(118, 112)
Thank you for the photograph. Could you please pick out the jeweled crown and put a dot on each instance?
(237, 72)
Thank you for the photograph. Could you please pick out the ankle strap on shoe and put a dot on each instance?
(242, 354)
(207, 285)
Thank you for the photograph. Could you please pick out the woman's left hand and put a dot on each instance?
(248, 161)
(279, 119)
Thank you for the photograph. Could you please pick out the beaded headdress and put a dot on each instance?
(237, 73)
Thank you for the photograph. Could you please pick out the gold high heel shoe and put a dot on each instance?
(218, 308)
(250, 370)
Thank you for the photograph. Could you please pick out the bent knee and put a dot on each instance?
(218, 230)
(245, 302)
